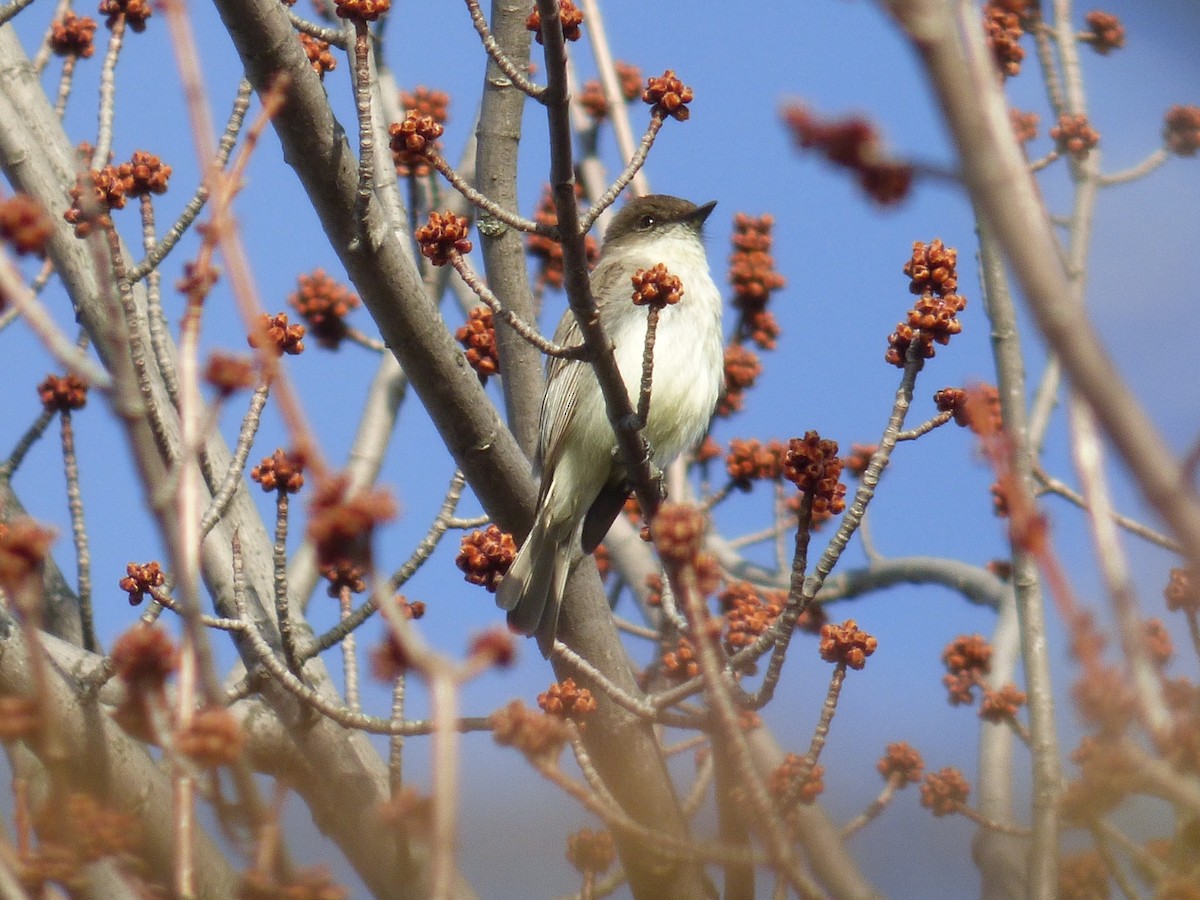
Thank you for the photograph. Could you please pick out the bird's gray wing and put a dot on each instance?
(563, 378)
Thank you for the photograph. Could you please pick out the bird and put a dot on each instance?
(584, 482)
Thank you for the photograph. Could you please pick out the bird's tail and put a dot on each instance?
(532, 590)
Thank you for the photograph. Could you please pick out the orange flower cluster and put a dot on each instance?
(934, 317)
(1107, 774)
(846, 644)
(281, 337)
(478, 337)
(324, 304)
(144, 174)
(318, 54)
(997, 706)
(812, 465)
(72, 836)
(443, 235)
(783, 782)
(852, 144)
(536, 735)
(678, 531)
(742, 369)
(977, 408)
(341, 524)
(212, 739)
(753, 278)
(411, 142)
(73, 35)
(1104, 699)
(668, 96)
(364, 10)
(93, 197)
(748, 614)
(495, 647)
(1004, 32)
(343, 575)
(63, 393)
(751, 460)
(1074, 136)
(1024, 125)
(568, 14)
(135, 12)
(1105, 32)
(1181, 130)
(144, 656)
(228, 373)
(591, 851)
(967, 659)
(568, 701)
(484, 556)
(656, 287)
(1183, 591)
(24, 545)
(859, 459)
(902, 763)
(681, 662)
(945, 791)
(592, 96)
(141, 579)
(280, 471)
(24, 225)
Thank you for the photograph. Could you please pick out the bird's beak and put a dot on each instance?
(698, 216)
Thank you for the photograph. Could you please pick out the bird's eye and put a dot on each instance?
(646, 222)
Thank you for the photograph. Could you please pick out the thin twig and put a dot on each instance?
(108, 93)
(506, 65)
(1059, 488)
(605, 200)
(1133, 173)
(83, 558)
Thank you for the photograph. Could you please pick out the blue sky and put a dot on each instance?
(842, 257)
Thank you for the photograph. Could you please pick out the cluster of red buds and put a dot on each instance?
(751, 460)
(412, 141)
(945, 792)
(846, 644)
(95, 194)
(570, 17)
(141, 579)
(1105, 32)
(1004, 32)
(537, 735)
(363, 10)
(134, 12)
(656, 287)
(478, 337)
(341, 523)
(1181, 130)
(568, 700)
(484, 556)
(742, 369)
(73, 35)
(228, 373)
(318, 54)
(812, 464)
(668, 96)
(1024, 125)
(24, 225)
(901, 763)
(324, 304)
(281, 471)
(592, 96)
(280, 337)
(977, 408)
(753, 277)
(442, 236)
(591, 851)
(852, 144)
(795, 778)
(63, 393)
(24, 545)
(1074, 136)
(932, 271)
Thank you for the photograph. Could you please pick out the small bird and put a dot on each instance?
(584, 483)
